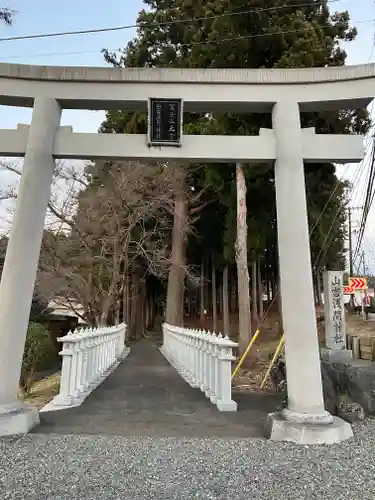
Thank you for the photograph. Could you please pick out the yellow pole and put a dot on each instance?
(236, 370)
(279, 347)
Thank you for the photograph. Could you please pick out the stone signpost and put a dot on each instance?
(334, 317)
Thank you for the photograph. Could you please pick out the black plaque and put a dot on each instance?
(164, 123)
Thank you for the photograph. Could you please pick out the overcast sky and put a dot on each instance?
(41, 16)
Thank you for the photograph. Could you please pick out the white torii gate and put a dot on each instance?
(283, 92)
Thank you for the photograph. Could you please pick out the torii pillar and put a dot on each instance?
(21, 262)
(305, 420)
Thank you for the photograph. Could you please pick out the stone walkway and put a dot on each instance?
(145, 396)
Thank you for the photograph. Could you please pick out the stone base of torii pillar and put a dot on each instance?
(300, 431)
(17, 418)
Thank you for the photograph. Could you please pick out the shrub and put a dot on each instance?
(39, 354)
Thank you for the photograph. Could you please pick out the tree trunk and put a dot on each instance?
(126, 299)
(176, 280)
(260, 292)
(233, 293)
(136, 305)
(214, 303)
(201, 288)
(273, 288)
(244, 311)
(226, 302)
(254, 292)
(142, 309)
(207, 289)
(118, 307)
(318, 288)
(219, 300)
(147, 313)
(268, 286)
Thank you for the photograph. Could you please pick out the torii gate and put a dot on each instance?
(283, 92)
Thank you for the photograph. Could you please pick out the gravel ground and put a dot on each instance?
(55, 467)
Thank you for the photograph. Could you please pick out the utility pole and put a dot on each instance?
(364, 264)
(350, 238)
(351, 249)
(350, 242)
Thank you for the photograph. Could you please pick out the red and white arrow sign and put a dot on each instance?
(348, 290)
(358, 283)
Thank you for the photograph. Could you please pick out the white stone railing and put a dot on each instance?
(203, 359)
(88, 356)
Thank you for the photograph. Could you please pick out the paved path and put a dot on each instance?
(145, 396)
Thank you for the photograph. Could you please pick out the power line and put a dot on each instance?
(205, 42)
(161, 24)
(326, 243)
(327, 240)
(368, 202)
(54, 54)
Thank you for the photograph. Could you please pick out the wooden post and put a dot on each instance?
(356, 353)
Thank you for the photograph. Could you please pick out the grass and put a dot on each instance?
(250, 376)
(43, 391)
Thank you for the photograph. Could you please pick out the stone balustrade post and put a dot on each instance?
(185, 340)
(208, 364)
(121, 341)
(201, 359)
(204, 361)
(196, 358)
(102, 354)
(94, 368)
(225, 357)
(109, 350)
(96, 353)
(111, 346)
(185, 373)
(193, 353)
(216, 397)
(90, 353)
(73, 392)
(214, 369)
(64, 397)
(105, 350)
(213, 361)
(84, 342)
(79, 350)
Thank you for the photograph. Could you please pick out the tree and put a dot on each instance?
(122, 224)
(247, 34)
(7, 15)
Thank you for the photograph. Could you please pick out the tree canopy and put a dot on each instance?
(255, 34)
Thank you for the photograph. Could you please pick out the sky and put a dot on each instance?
(46, 16)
